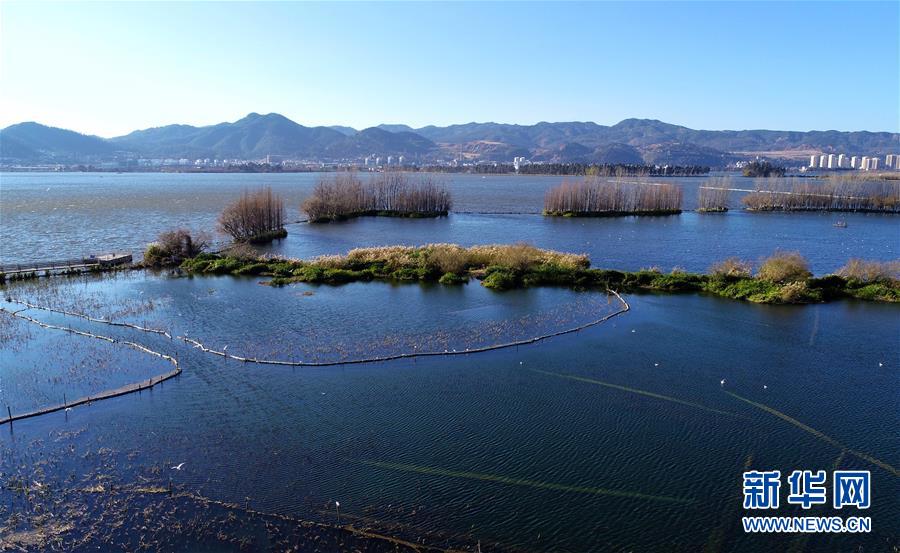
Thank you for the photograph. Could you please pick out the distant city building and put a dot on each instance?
(390, 160)
(842, 161)
(890, 162)
(864, 163)
(831, 161)
(400, 160)
(853, 162)
(813, 161)
(822, 161)
(873, 163)
(273, 159)
(377, 161)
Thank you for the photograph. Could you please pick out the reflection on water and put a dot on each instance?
(613, 438)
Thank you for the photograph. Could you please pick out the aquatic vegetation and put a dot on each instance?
(841, 194)
(818, 434)
(512, 481)
(390, 194)
(782, 278)
(635, 391)
(255, 217)
(595, 197)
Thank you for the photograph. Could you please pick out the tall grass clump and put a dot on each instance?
(870, 271)
(391, 194)
(784, 267)
(713, 197)
(838, 194)
(174, 246)
(256, 216)
(594, 197)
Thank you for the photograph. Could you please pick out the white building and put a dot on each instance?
(831, 161)
(890, 162)
(864, 163)
(873, 163)
(400, 160)
(812, 161)
(842, 161)
(390, 160)
(822, 161)
(853, 162)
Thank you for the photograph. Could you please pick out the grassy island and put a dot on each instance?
(783, 278)
(392, 194)
(594, 197)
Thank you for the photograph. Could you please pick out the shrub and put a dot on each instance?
(731, 267)
(870, 271)
(453, 278)
(447, 258)
(174, 246)
(255, 216)
(500, 278)
(784, 267)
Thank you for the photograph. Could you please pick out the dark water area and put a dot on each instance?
(619, 437)
(64, 215)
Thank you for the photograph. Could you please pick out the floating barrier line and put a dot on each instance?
(89, 318)
(409, 355)
(821, 435)
(107, 394)
(435, 471)
(203, 348)
(636, 391)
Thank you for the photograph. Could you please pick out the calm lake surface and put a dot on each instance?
(64, 215)
(616, 438)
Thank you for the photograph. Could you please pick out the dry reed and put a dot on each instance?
(594, 197)
(344, 195)
(839, 194)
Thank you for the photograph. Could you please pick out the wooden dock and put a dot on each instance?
(101, 260)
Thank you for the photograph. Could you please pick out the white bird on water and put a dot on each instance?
(178, 466)
(722, 383)
(765, 387)
(880, 364)
(68, 409)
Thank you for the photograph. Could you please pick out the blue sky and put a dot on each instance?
(108, 69)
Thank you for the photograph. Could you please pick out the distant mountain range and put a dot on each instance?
(256, 136)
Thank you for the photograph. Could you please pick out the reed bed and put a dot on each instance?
(713, 198)
(391, 194)
(595, 197)
(256, 216)
(839, 194)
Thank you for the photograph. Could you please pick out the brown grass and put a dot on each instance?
(870, 271)
(784, 267)
(731, 267)
(714, 195)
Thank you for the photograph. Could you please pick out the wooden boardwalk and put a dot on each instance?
(103, 260)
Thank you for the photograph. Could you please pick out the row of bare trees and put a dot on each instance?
(832, 195)
(345, 195)
(595, 196)
(254, 216)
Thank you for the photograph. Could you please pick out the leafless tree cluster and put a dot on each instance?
(344, 195)
(594, 196)
(255, 215)
(833, 195)
(714, 195)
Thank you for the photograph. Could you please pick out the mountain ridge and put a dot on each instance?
(256, 136)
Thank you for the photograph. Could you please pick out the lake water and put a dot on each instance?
(616, 438)
(64, 215)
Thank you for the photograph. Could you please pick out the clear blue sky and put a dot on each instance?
(108, 69)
